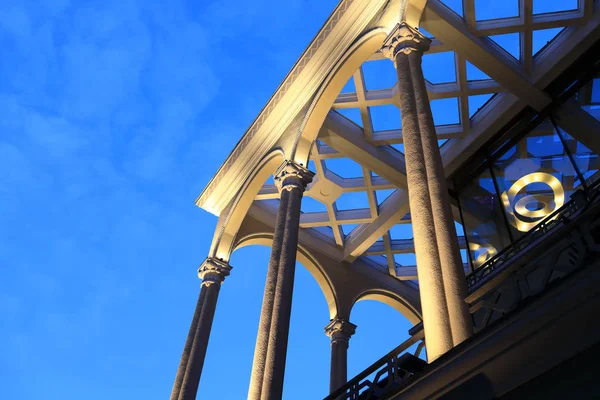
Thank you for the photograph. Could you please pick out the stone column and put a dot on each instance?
(268, 367)
(212, 272)
(442, 280)
(339, 330)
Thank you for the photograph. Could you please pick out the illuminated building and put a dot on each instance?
(501, 202)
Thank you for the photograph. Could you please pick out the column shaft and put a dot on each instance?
(212, 272)
(339, 330)
(191, 379)
(338, 375)
(268, 367)
(282, 306)
(447, 241)
(264, 325)
(187, 348)
(431, 285)
(441, 276)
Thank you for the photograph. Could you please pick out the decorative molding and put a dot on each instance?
(340, 330)
(213, 270)
(292, 176)
(404, 39)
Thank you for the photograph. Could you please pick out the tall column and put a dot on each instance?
(339, 330)
(268, 367)
(442, 281)
(212, 272)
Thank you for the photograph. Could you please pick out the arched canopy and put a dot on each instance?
(230, 220)
(305, 258)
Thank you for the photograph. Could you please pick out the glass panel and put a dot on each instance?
(536, 180)
(484, 225)
(586, 160)
(379, 74)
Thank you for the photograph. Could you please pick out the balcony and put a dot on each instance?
(528, 301)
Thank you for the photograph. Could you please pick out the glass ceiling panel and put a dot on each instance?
(454, 5)
(549, 6)
(475, 74)
(439, 67)
(401, 231)
(406, 259)
(543, 37)
(352, 201)
(349, 86)
(399, 147)
(509, 42)
(478, 101)
(310, 205)
(347, 228)
(486, 9)
(344, 167)
(385, 117)
(383, 194)
(445, 111)
(379, 74)
(353, 114)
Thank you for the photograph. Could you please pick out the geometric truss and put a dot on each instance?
(358, 196)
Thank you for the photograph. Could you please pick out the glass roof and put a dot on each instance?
(461, 93)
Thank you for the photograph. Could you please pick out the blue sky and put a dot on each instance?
(107, 109)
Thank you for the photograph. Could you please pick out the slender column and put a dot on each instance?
(441, 276)
(339, 330)
(212, 272)
(271, 344)
(187, 348)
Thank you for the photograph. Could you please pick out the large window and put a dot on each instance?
(521, 186)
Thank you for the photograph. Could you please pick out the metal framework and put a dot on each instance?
(514, 84)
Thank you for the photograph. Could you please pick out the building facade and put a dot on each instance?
(479, 224)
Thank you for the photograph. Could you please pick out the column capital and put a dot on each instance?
(340, 330)
(404, 39)
(291, 175)
(213, 270)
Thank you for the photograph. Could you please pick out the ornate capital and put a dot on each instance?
(291, 175)
(404, 39)
(213, 270)
(340, 330)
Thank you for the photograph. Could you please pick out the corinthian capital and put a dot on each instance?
(291, 175)
(213, 270)
(340, 330)
(404, 39)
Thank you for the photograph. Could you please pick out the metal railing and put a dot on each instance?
(390, 371)
(579, 200)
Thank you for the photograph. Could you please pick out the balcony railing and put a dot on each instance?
(391, 371)
(579, 201)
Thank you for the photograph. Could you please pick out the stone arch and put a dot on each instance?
(305, 258)
(393, 300)
(361, 50)
(232, 217)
